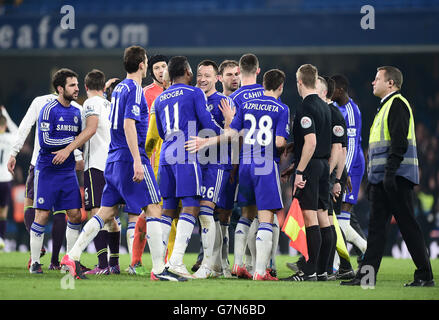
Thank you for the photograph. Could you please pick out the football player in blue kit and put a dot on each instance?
(265, 123)
(215, 176)
(56, 185)
(128, 173)
(181, 111)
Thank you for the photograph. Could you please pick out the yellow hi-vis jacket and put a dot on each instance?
(379, 145)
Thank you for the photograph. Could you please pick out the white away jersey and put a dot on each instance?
(96, 149)
(29, 120)
(7, 139)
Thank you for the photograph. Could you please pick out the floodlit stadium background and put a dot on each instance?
(283, 33)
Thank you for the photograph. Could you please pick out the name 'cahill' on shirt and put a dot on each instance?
(252, 95)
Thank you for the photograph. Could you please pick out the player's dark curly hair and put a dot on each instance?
(60, 78)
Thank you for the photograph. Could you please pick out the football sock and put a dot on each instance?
(139, 241)
(344, 264)
(217, 247)
(130, 236)
(155, 243)
(185, 226)
(264, 244)
(330, 268)
(325, 249)
(100, 242)
(313, 241)
(207, 224)
(250, 259)
(89, 232)
(36, 241)
(72, 234)
(113, 245)
(59, 225)
(171, 238)
(351, 235)
(29, 216)
(3, 228)
(225, 245)
(166, 230)
(241, 235)
(272, 261)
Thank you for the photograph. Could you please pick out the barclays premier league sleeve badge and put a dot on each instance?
(338, 131)
(305, 122)
(44, 126)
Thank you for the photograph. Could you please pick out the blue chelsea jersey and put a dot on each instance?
(127, 102)
(58, 126)
(181, 111)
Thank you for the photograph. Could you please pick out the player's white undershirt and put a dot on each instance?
(96, 149)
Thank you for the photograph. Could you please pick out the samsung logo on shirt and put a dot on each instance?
(264, 107)
(67, 127)
(172, 94)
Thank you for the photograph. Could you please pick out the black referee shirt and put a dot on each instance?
(313, 116)
(339, 134)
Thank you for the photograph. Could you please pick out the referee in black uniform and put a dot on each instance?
(338, 173)
(392, 173)
(312, 148)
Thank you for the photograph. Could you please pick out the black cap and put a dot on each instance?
(153, 60)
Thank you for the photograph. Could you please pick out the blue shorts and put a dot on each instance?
(121, 189)
(214, 183)
(180, 180)
(352, 197)
(262, 190)
(173, 203)
(56, 190)
(227, 198)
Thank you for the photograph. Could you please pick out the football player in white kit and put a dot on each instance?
(95, 119)
(6, 141)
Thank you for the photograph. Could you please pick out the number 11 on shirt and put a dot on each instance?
(168, 121)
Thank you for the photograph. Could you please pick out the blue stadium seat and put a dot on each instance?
(213, 6)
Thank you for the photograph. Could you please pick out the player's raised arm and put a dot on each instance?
(30, 118)
(228, 110)
(10, 124)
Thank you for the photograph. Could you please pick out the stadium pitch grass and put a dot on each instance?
(17, 283)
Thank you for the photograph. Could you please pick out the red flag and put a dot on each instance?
(294, 228)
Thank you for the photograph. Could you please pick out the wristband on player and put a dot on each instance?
(337, 180)
(298, 172)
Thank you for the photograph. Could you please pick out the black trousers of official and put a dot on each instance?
(401, 206)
